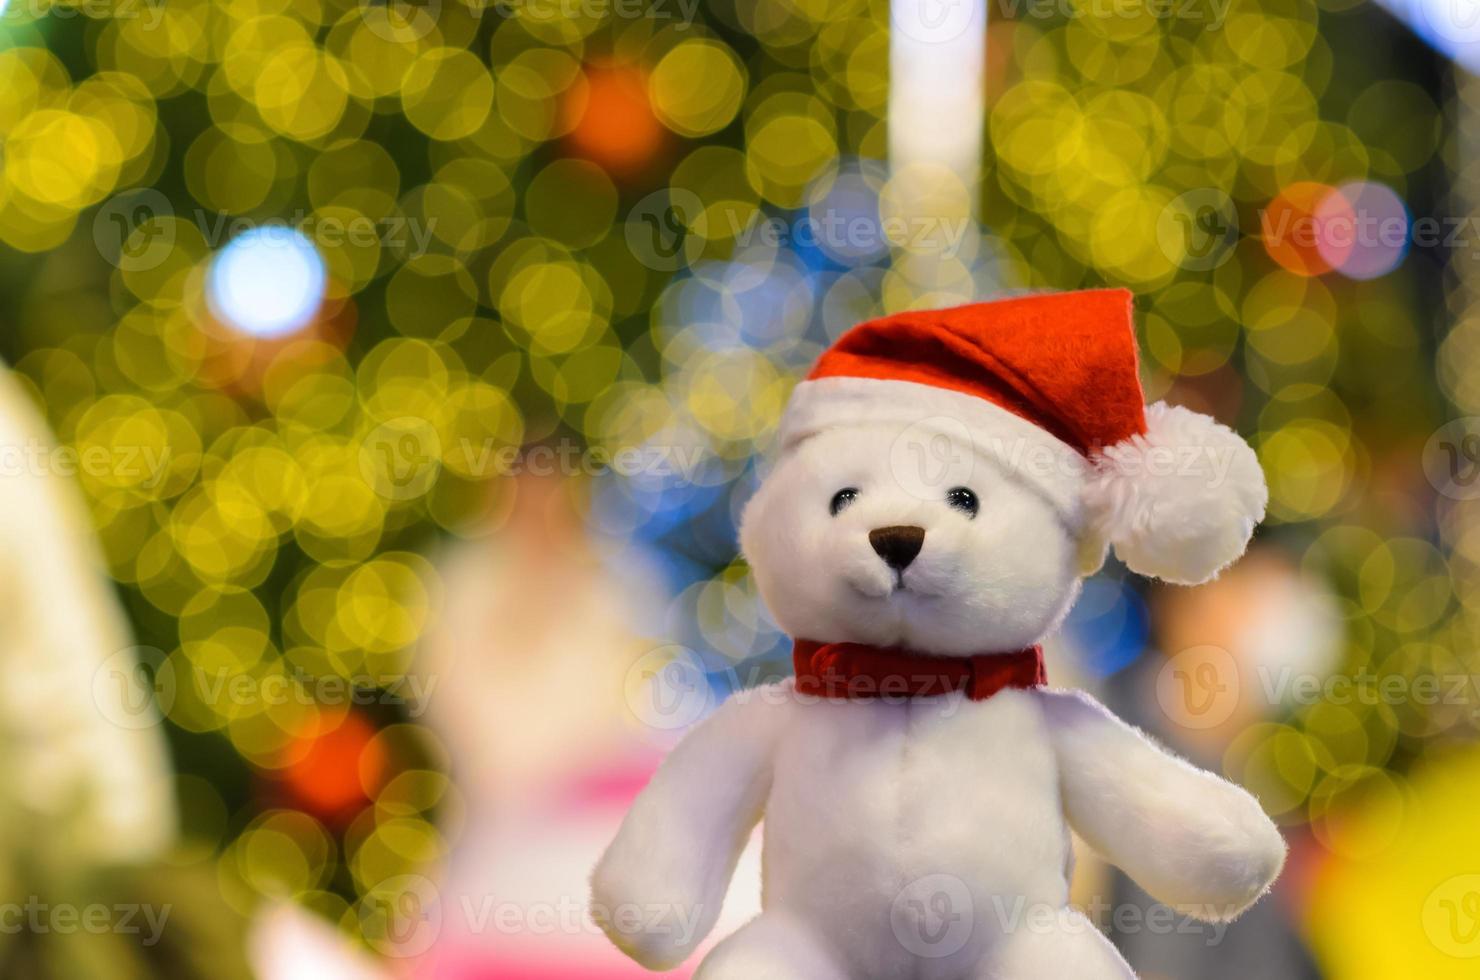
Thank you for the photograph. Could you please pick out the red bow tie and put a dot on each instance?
(856, 671)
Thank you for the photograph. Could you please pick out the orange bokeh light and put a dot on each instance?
(611, 120)
(1297, 221)
(329, 764)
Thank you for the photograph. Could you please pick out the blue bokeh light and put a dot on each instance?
(1109, 626)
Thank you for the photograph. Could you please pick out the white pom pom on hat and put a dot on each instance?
(1180, 502)
(1047, 386)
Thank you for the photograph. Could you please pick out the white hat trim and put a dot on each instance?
(1014, 445)
(1179, 502)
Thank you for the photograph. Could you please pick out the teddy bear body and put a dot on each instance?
(922, 838)
(905, 836)
(925, 835)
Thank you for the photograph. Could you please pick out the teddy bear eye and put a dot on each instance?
(963, 500)
(842, 499)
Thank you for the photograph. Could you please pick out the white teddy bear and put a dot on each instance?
(945, 481)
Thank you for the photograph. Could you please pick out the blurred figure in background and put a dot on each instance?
(531, 667)
(81, 736)
(87, 815)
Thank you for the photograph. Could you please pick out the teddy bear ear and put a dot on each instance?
(1180, 502)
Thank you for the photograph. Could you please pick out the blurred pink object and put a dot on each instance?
(534, 655)
(475, 970)
(517, 910)
(289, 943)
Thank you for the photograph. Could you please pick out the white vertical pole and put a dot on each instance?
(937, 107)
(937, 65)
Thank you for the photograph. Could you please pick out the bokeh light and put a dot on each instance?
(267, 282)
(1309, 228)
(611, 119)
(1378, 237)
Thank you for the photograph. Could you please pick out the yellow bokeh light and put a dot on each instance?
(697, 87)
(447, 93)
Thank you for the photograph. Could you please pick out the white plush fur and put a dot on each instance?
(658, 890)
(924, 838)
(1193, 840)
(1011, 442)
(1000, 581)
(1180, 502)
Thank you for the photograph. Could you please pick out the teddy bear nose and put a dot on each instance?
(897, 545)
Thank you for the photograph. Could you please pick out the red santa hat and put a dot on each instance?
(1048, 389)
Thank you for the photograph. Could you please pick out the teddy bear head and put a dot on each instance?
(876, 534)
(945, 480)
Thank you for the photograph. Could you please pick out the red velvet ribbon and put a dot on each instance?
(860, 672)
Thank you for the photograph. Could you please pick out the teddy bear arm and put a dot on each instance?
(1191, 839)
(658, 889)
